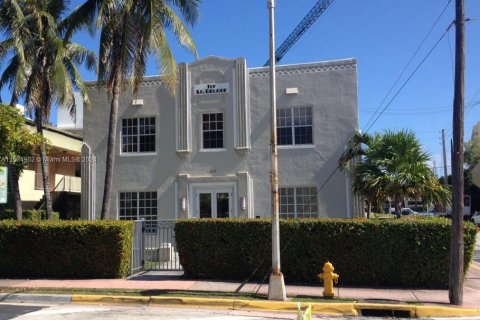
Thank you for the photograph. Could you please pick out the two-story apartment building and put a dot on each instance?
(205, 152)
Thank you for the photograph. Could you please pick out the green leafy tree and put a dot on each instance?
(131, 30)
(43, 68)
(18, 147)
(392, 165)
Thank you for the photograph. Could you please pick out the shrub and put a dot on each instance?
(31, 214)
(65, 249)
(393, 253)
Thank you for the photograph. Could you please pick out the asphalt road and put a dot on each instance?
(123, 312)
(10, 311)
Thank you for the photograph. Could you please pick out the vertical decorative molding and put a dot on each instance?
(87, 202)
(242, 106)
(183, 111)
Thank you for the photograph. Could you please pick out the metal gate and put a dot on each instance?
(154, 246)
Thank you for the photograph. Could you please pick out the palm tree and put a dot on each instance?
(393, 165)
(131, 30)
(43, 67)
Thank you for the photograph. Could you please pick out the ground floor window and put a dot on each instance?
(298, 202)
(139, 205)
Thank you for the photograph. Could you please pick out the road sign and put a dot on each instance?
(3, 184)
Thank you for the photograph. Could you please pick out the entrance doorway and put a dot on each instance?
(213, 202)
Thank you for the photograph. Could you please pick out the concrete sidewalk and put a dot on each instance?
(172, 281)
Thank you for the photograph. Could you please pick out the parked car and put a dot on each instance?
(408, 211)
(426, 214)
(476, 218)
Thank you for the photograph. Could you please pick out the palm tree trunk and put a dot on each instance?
(369, 211)
(17, 201)
(398, 207)
(44, 164)
(112, 134)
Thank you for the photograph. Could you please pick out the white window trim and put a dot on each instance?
(202, 149)
(138, 153)
(137, 192)
(296, 146)
(213, 150)
(294, 215)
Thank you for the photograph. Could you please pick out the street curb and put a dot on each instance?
(91, 298)
(322, 308)
(35, 298)
(233, 304)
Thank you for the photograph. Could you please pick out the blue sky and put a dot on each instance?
(381, 34)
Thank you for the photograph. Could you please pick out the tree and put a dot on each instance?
(131, 30)
(42, 69)
(18, 147)
(392, 165)
(365, 185)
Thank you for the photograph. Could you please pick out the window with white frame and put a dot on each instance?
(138, 135)
(139, 205)
(212, 130)
(298, 202)
(294, 126)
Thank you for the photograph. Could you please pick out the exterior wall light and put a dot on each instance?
(183, 204)
(243, 203)
(137, 102)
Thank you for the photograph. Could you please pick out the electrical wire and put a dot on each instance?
(410, 77)
(409, 62)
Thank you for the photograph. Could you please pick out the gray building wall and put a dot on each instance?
(179, 168)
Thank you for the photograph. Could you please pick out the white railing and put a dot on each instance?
(68, 183)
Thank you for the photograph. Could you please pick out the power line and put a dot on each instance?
(410, 77)
(408, 63)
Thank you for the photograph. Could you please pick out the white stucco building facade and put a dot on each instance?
(205, 151)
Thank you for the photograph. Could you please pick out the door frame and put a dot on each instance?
(213, 187)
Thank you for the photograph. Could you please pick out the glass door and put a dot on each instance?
(222, 204)
(213, 202)
(205, 205)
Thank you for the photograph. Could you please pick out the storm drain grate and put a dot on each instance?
(385, 313)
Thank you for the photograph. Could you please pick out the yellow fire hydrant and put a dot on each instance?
(328, 277)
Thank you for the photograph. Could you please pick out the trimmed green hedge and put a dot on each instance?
(31, 214)
(65, 249)
(390, 253)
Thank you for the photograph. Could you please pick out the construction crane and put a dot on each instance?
(300, 29)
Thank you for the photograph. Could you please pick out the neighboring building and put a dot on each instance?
(476, 131)
(64, 152)
(205, 152)
(71, 121)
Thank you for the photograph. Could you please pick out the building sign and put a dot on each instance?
(210, 88)
(3, 184)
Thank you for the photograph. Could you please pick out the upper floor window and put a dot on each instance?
(298, 202)
(212, 130)
(294, 126)
(139, 205)
(138, 135)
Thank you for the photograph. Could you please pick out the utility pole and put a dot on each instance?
(444, 158)
(276, 286)
(455, 291)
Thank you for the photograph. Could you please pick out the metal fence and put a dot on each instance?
(137, 248)
(154, 246)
